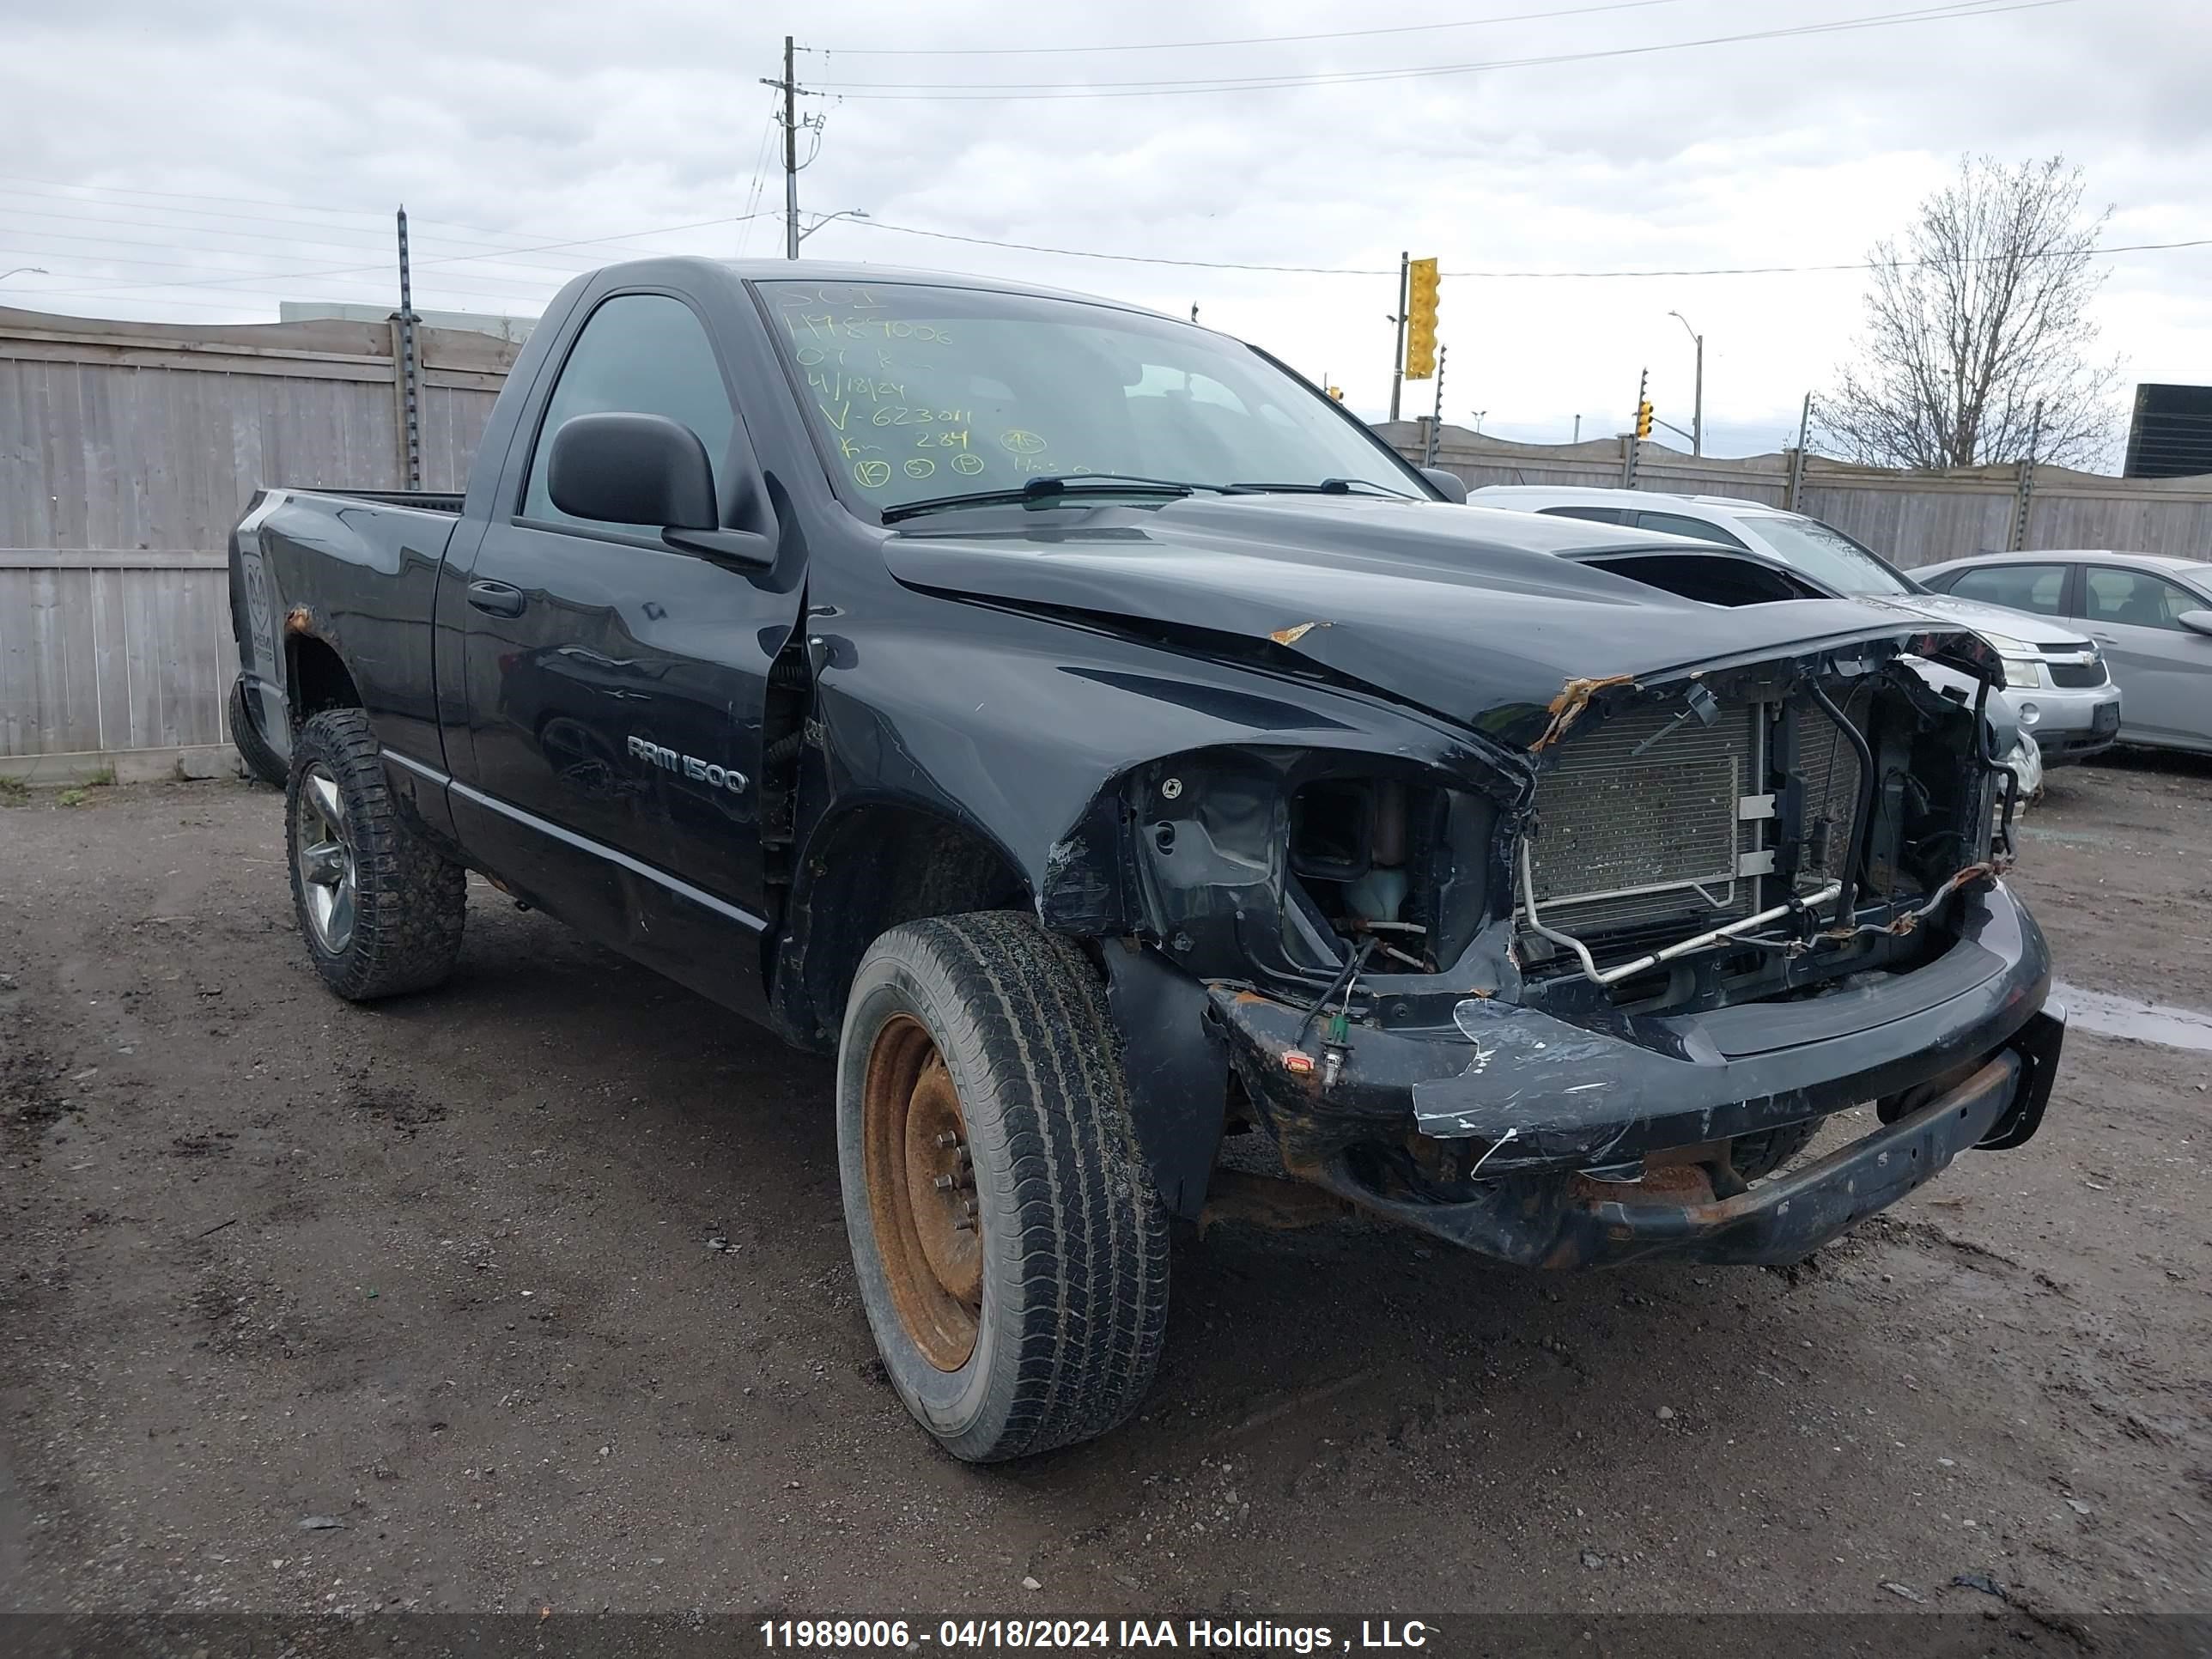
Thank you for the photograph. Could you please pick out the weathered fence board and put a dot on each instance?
(127, 450)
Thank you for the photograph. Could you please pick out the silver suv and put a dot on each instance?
(2058, 683)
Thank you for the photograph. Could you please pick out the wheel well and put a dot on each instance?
(316, 678)
(871, 869)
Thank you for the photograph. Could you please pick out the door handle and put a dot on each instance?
(496, 598)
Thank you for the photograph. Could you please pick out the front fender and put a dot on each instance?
(1026, 730)
(1026, 736)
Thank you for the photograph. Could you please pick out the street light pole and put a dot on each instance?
(1697, 404)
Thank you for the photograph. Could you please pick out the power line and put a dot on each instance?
(457, 258)
(377, 233)
(1485, 275)
(1239, 41)
(1025, 92)
(492, 252)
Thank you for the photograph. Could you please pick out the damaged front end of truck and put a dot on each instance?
(1557, 993)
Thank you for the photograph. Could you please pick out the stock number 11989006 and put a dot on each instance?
(841, 1634)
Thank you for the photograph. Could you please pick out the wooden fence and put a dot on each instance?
(1910, 518)
(127, 451)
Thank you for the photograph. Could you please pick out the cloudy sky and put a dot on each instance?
(197, 161)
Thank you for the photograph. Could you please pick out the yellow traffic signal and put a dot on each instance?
(1420, 319)
(1644, 419)
(1337, 392)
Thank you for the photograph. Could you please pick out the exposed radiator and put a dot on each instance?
(1634, 847)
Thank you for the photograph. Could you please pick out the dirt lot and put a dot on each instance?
(440, 1271)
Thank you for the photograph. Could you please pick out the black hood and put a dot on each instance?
(1468, 612)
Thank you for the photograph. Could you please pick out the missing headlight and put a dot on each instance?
(1401, 862)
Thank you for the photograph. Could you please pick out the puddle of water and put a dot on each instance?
(2124, 1017)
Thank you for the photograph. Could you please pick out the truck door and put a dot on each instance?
(616, 685)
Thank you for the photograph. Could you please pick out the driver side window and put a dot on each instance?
(641, 354)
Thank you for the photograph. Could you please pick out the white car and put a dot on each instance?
(2059, 687)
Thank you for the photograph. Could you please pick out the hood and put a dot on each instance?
(2023, 625)
(1467, 613)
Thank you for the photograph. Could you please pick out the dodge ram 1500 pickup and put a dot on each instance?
(1102, 744)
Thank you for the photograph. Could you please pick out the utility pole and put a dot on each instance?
(1398, 355)
(790, 156)
(411, 402)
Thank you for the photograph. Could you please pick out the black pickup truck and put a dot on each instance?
(1105, 746)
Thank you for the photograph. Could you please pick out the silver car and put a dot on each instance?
(2151, 615)
(2057, 682)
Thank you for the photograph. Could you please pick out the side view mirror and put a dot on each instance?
(648, 470)
(632, 468)
(2196, 621)
(1453, 486)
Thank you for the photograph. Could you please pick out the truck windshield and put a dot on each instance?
(921, 392)
(1827, 555)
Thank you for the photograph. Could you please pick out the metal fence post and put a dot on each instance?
(1795, 491)
(2024, 491)
(410, 388)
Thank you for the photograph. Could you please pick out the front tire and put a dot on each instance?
(380, 909)
(1011, 1252)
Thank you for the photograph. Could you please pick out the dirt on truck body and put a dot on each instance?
(1103, 744)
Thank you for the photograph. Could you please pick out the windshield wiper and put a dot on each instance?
(1326, 486)
(1044, 487)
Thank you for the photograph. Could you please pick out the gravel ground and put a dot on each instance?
(440, 1271)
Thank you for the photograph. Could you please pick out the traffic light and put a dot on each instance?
(1337, 392)
(1643, 418)
(1420, 319)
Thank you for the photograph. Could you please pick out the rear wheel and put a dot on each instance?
(1011, 1252)
(380, 909)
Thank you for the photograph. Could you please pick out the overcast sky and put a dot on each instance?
(197, 161)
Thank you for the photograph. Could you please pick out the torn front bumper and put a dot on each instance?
(1583, 1132)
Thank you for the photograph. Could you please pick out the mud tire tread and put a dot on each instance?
(410, 902)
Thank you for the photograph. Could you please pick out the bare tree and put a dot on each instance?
(1979, 318)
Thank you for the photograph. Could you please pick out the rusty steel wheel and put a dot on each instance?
(921, 1193)
(1009, 1248)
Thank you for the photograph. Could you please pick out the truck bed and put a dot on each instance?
(423, 501)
